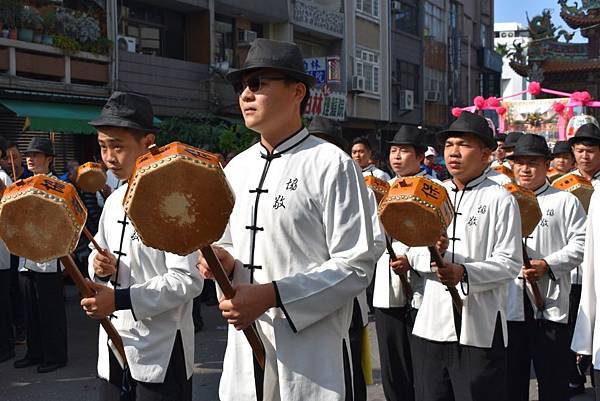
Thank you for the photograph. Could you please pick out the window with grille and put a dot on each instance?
(407, 77)
(369, 7)
(367, 66)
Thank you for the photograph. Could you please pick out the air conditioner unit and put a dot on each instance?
(396, 6)
(406, 99)
(126, 43)
(246, 36)
(358, 83)
(432, 96)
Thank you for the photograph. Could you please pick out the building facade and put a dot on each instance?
(378, 63)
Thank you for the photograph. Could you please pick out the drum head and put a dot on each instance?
(179, 204)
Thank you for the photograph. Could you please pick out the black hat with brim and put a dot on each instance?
(531, 145)
(512, 138)
(409, 135)
(41, 145)
(470, 123)
(561, 147)
(500, 137)
(327, 129)
(126, 110)
(282, 56)
(586, 133)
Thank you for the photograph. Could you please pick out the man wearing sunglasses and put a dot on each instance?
(298, 245)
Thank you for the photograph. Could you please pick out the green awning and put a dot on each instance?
(56, 117)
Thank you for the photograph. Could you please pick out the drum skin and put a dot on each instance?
(41, 218)
(178, 198)
(416, 211)
(379, 187)
(529, 208)
(578, 186)
(504, 170)
(91, 177)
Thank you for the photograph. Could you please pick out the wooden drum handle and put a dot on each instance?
(403, 280)
(537, 295)
(456, 299)
(229, 292)
(87, 292)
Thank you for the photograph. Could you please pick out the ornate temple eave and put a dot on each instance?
(576, 21)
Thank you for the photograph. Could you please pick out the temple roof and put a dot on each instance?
(579, 20)
(558, 66)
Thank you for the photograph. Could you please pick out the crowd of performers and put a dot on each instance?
(303, 244)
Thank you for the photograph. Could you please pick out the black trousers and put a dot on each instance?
(6, 330)
(455, 372)
(545, 343)
(355, 334)
(17, 306)
(46, 319)
(394, 328)
(175, 387)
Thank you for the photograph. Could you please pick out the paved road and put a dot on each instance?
(77, 381)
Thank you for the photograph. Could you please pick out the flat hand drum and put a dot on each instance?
(91, 177)
(379, 187)
(41, 218)
(502, 169)
(416, 211)
(178, 198)
(578, 186)
(529, 208)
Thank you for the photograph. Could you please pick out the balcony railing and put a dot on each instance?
(319, 18)
(47, 64)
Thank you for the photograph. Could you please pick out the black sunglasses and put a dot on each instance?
(253, 83)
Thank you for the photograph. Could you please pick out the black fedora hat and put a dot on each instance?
(512, 138)
(531, 145)
(561, 147)
(500, 137)
(126, 110)
(327, 129)
(282, 56)
(586, 133)
(40, 144)
(409, 135)
(470, 123)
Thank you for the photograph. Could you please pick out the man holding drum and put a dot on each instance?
(555, 248)
(463, 353)
(42, 288)
(395, 310)
(298, 245)
(148, 291)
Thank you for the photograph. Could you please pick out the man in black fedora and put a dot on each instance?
(42, 288)
(586, 148)
(463, 355)
(299, 245)
(563, 160)
(394, 310)
(555, 248)
(147, 293)
(500, 153)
